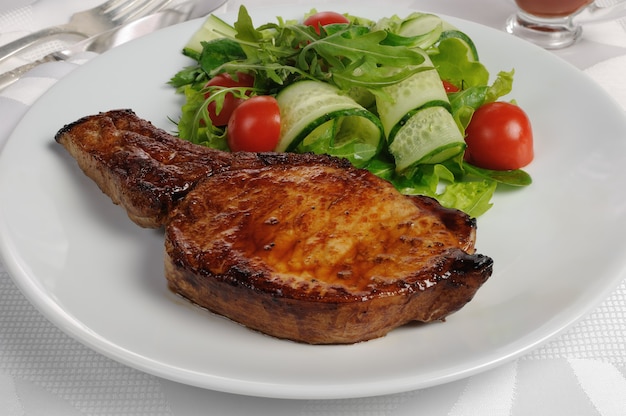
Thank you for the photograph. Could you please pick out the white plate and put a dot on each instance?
(558, 246)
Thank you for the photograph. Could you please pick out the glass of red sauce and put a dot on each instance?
(555, 24)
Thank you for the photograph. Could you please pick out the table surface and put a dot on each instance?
(43, 371)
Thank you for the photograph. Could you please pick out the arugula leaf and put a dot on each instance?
(364, 61)
(516, 177)
(195, 124)
(353, 47)
(245, 28)
(188, 75)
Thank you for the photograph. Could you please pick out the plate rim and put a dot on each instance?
(76, 329)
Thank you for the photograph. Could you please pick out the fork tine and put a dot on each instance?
(112, 5)
(123, 8)
(156, 5)
(135, 8)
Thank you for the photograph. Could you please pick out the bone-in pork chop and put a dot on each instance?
(302, 247)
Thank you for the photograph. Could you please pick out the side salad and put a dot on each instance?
(406, 98)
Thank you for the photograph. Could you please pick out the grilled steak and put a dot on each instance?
(302, 247)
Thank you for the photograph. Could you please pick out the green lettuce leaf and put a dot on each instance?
(473, 197)
(452, 60)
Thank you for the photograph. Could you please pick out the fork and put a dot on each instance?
(87, 23)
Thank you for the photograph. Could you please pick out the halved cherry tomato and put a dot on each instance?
(254, 125)
(450, 87)
(499, 137)
(230, 101)
(320, 19)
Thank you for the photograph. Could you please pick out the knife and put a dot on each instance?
(104, 41)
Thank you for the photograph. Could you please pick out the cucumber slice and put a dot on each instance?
(362, 96)
(418, 30)
(406, 96)
(340, 137)
(430, 136)
(212, 28)
(452, 33)
(317, 117)
(321, 135)
(425, 29)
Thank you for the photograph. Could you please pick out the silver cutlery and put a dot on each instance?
(107, 16)
(114, 37)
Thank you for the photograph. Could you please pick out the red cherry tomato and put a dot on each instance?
(230, 101)
(320, 19)
(499, 137)
(450, 87)
(254, 125)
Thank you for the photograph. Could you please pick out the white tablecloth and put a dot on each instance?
(45, 372)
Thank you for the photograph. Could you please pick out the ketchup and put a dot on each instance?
(551, 8)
